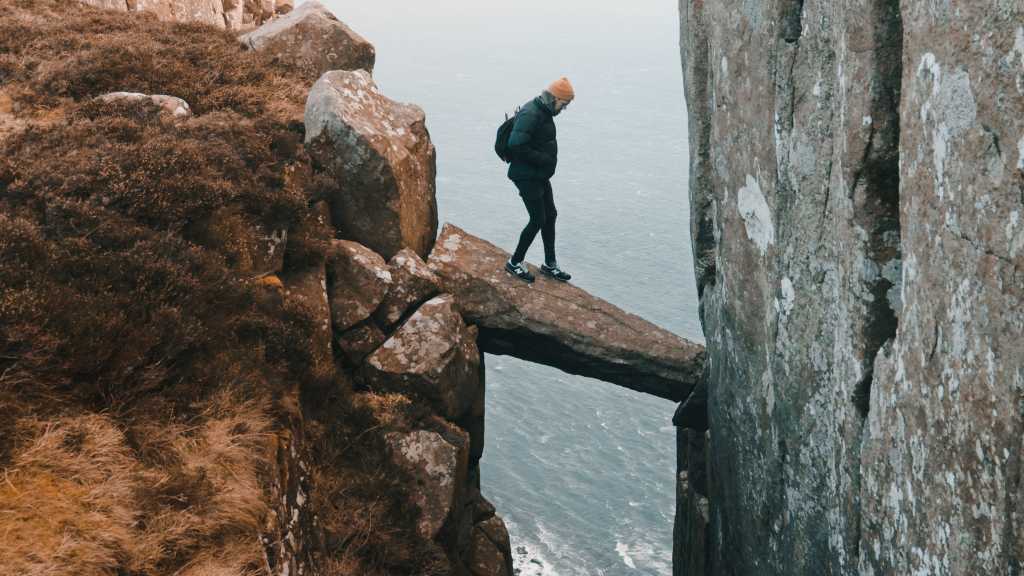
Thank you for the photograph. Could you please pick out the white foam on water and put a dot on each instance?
(529, 557)
(644, 557)
(528, 561)
(623, 550)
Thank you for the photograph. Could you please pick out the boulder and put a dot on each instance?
(432, 356)
(379, 153)
(559, 324)
(313, 39)
(229, 14)
(171, 105)
(412, 283)
(437, 465)
(358, 279)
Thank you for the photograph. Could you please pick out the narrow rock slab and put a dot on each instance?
(314, 39)
(559, 324)
(379, 153)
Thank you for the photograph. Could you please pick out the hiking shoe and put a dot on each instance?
(555, 272)
(519, 271)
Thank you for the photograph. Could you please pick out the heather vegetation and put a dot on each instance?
(147, 376)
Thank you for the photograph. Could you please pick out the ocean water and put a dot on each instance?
(581, 470)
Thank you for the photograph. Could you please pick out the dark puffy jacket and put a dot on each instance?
(532, 144)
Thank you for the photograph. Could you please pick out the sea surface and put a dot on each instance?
(581, 470)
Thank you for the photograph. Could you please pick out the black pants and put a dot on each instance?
(540, 203)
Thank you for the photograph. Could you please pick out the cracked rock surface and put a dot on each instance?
(856, 195)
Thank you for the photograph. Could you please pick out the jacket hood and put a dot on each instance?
(547, 102)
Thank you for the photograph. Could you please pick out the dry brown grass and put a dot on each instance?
(67, 502)
(137, 367)
(76, 498)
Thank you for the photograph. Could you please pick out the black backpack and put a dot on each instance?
(501, 141)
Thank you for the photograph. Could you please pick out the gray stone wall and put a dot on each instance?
(856, 190)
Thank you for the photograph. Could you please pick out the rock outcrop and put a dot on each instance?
(432, 356)
(492, 552)
(312, 38)
(559, 324)
(229, 14)
(379, 155)
(856, 190)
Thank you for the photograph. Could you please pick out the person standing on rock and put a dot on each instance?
(534, 152)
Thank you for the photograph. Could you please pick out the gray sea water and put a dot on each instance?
(581, 470)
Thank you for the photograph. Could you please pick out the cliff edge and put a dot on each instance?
(189, 318)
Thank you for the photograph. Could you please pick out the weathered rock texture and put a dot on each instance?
(313, 39)
(559, 324)
(433, 356)
(359, 280)
(413, 282)
(492, 552)
(230, 14)
(379, 155)
(856, 189)
(438, 468)
(168, 104)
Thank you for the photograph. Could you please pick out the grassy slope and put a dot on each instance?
(143, 375)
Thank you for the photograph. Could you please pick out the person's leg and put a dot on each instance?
(531, 192)
(550, 266)
(547, 232)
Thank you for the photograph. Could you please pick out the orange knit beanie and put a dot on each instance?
(561, 89)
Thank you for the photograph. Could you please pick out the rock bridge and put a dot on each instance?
(559, 324)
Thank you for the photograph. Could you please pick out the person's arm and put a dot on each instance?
(519, 141)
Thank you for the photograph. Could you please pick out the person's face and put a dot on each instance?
(561, 104)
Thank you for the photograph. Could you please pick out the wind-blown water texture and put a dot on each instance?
(581, 470)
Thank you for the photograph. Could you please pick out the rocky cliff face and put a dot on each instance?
(857, 184)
